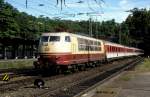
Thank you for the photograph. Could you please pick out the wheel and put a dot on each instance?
(82, 68)
(39, 83)
(36, 65)
(59, 71)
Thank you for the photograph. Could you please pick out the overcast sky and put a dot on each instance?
(109, 9)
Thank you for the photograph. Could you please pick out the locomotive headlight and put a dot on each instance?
(57, 57)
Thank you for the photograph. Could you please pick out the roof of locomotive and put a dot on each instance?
(72, 34)
(54, 33)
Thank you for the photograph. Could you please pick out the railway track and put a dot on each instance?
(16, 72)
(17, 78)
(64, 86)
(75, 89)
(23, 78)
(107, 75)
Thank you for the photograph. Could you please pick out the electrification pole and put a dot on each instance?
(90, 26)
(120, 34)
(96, 28)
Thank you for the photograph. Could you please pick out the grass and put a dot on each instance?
(16, 64)
(126, 77)
(144, 66)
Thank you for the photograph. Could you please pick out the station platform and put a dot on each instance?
(131, 83)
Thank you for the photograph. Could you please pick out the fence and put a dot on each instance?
(18, 48)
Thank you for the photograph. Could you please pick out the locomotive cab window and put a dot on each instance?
(67, 39)
(44, 39)
(54, 38)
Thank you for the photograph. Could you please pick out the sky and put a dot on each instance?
(73, 10)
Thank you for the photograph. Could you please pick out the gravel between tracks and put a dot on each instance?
(28, 90)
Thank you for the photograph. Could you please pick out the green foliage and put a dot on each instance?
(144, 66)
(139, 27)
(126, 77)
(16, 64)
(133, 32)
(8, 25)
(19, 24)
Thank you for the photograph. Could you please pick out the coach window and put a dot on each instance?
(90, 42)
(100, 48)
(87, 48)
(99, 43)
(67, 38)
(107, 47)
(111, 48)
(95, 43)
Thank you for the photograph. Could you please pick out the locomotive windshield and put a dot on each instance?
(44, 38)
(54, 38)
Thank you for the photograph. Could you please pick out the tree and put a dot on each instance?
(139, 26)
(8, 25)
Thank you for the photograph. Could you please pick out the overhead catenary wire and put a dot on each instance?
(61, 14)
(89, 6)
(45, 3)
(63, 1)
(35, 9)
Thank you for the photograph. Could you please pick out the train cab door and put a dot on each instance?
(74, 45)
(73, 48)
